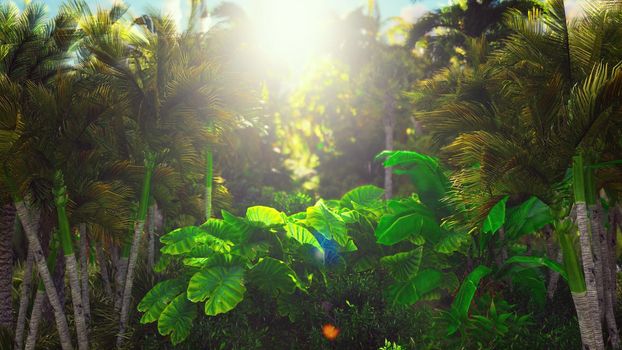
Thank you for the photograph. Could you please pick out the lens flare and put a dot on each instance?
(330, 332)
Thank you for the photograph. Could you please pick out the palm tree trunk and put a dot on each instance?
(589, 302)
(35, 319)
(389, 130)
(7, 228)
(71, 264)
(209, 180)
(119, 279)
(151, 235)
(103, 269)
(133, 256)
(23, 301)
(30, 228)
(84, 272)
(37, 308)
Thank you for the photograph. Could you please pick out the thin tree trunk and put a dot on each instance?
(23, 301)
(76, 297)
(71, 263)
(608, 306)
(150, 159)
(389, 129)
(597, 236)
(209, 181)
(129, 281)
(30, 228)
(103, 270)
(554, 278)
(35, 319)
(591, 302)
(151, 227)
(84, 272)
(120, 273)
(7, 228)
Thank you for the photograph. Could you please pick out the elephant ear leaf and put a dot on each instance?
(264, 216)
(403, 266)
(222, 288)
(181, 240)
(156, 300)
(365, 196)
(176, 319)
(273, 276)
(327, 223)
(302, 235)
(410, 291)
(496, 217)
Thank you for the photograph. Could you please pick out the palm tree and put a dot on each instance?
(511, 125)
(34, 51)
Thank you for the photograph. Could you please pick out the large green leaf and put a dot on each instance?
(538, 261)
(264, 216)
(424, 171)
(410, 291)
(327, 223)
(464, 297)
(181, 240)
(363, 196)
(240, 226)
(223, 287)
(176, 319)
(393, 229)
(403, 266)
(273, 276)
(451, 242)
(223, 229)
(528, 217)
(154, 302)
(496, 217)
(302, 235)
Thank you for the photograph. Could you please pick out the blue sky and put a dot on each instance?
(388, 8)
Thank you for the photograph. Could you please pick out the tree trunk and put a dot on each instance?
(129, 281)
(71, 264)
(119, 278)
(608, 306)
(103, 270)
(587, 318)
(84, 272)
(590, 302)
(76, 297)
(7, 228)
(151, 227)
(150, 159)
(554, 278)
(35, 319)
(389, 129)
(209, 180)
(30, 228)
(23, 301)
(597, 236)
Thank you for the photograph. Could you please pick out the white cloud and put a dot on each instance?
(413, 12)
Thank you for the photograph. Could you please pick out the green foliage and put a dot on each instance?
(177, 318)
(462, 302)
(496, 217)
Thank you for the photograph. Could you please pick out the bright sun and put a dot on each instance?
(290, 31)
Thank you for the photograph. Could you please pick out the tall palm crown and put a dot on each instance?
(511, 124)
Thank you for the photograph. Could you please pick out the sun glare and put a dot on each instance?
(290, 31)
